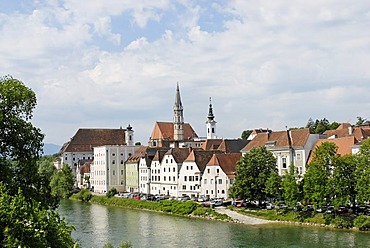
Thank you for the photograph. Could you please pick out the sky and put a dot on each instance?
(265, 64)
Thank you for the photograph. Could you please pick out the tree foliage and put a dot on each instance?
(363, 173)
(27, 211)
(246, 133)
(290, 187)
(252, 172)
(26, 223)
(320, 126)
(62, 182)
(317, 188)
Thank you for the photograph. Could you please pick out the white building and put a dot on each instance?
(191, 172)
(288, 147)
(219, 175)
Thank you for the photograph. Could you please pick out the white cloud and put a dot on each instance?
(274, 63)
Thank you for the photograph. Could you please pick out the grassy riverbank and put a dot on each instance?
(188, 208)
(349, 220)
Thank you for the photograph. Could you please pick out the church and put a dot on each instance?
(177, 134)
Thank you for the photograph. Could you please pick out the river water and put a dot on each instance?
(97, 225)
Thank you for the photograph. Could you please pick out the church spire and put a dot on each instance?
(210, 111)
(178, 117)
(211, 123)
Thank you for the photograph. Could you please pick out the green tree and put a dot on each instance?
(290, 187)
(21, 142)
(317, 188)
(344, 180)
(273, 186)
(252, 172)
(27, 212)
(46, 170)
(62, 182)
(26, 223)
(246, 133)
(360, 121)
(363, 172)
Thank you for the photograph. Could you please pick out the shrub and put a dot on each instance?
(342, 222)
(362, 222)
(84, 195)
(111, 192)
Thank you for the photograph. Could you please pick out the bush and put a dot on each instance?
(111, 192)
(342, 222)
(362, 222)
(84, 195)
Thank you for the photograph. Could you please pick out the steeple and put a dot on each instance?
(129, 135)
(178, 117)
(211, 123)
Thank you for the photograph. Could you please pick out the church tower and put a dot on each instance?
(211, 123)
(178, 117)
(129, 136)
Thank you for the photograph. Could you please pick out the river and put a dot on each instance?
(97, 225)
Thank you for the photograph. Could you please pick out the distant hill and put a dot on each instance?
(50, 149)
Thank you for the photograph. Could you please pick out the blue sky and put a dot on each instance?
(266, 64)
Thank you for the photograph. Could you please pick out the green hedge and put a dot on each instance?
(166, 206)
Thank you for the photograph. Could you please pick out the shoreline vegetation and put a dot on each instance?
(233, 214)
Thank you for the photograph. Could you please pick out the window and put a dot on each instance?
(205, 181)
(298, 156)
(171, 161)
(196, 178)
(121, 161)
(164, 169)
(113, 154)
(187, 167)
(121, 172)
(113, 162)
(284, 163)
(184, 187)
(218, 171)
(166, 161)
(191, 167)
(173, 169)
(185, 178)
(174, 178)
(211, 181)
(219, 181)
(208, 171)
(114, 172)
(213, 130)
(164, 178)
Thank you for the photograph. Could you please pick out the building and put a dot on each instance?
(155, 172)
(81, 146)
(191, 172)
(170, 168)
(219, 175)
(176, 133)
(288, 147)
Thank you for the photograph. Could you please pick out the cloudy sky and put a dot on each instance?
(108, 63)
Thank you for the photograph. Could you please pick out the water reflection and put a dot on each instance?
(97, 225)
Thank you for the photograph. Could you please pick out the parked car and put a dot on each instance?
(217, 202)
(342, 210)
(270, 206)
(241, 204)
(203, 198)
(330, 210)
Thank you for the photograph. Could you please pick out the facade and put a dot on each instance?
(219, 175)
(108, 169)
(169, 170)
(83, 175)
(81, 146)
(132, 170)
(155, 172)
(288, 147)
(191, 172)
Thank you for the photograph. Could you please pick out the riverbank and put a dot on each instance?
(241, 218)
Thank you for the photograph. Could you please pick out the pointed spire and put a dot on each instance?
(178, 103)
(210, 111)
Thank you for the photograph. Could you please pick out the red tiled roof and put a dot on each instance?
(227, 161)
(138, 154)
(179, 154)
(165, 130)
(298, 138)
(201, 158)
(86, 139)
(344, 144)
